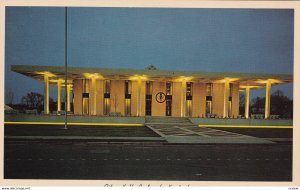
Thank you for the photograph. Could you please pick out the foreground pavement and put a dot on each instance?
(147, 153)
(56, 159)
(173, 133)
(170, 133)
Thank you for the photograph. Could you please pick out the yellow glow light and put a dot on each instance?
(62, 81)
(93, 75)
(139, 77)
(272, 81)
(246, 86)
(49, 74)
(227, 79)
(183, 78)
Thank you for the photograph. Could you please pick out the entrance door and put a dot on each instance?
(169, 105)
(85, 103)
(148, 105)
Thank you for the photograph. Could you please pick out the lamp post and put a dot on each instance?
(66, 65)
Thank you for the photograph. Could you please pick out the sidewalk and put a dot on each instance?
(194, 134)
(88, 138)
(80, 133)
(170, 133)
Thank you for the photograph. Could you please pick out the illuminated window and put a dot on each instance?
(85, 84)
(229, 108)
(230, 101)
(106, 107)
(85, 106)
(189, 92)
(209, 93)
(189, 108)
(189, 88)
(85, 97)
(208, 109)
(127, 98)
(127, 107)
(127, 87)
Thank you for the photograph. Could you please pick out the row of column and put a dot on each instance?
(183, 107)
(247, 100)
(46, 95)
(267, 103)
(226, 97)
(93, 96)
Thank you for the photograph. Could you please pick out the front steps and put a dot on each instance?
(168, 120)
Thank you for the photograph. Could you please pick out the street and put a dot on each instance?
(65, 159)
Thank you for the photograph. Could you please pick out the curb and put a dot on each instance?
(103, 139)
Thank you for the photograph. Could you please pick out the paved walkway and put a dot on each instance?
(158, 129)
(194, 134)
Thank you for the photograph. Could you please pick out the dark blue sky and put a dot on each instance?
(216, 40)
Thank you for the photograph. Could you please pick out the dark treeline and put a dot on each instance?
(34, 101)
(280, 105)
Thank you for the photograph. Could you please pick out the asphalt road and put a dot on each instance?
(73, 130)
(147, 161)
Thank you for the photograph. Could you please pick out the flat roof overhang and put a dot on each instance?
(55, 73)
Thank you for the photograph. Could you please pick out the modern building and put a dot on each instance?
(151, 92)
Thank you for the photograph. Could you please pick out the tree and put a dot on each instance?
(258, 105)
(281, 105)
(242, 104)
(34, 100)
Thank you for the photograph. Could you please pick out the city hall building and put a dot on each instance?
(151, 92)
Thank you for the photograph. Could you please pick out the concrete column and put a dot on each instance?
(58, 95)
(46, 94)
(139, 107)
(267, 104)
(69, 97)
(247, 102)
(183, 98)
(93, 95)
(226, 98)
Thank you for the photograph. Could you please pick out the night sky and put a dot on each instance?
(213, 40)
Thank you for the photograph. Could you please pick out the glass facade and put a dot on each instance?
(189, 89)
(189, 97)
(209, 93)
(168, 102)
(106, 107)
(85, 97)
(128, 87)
